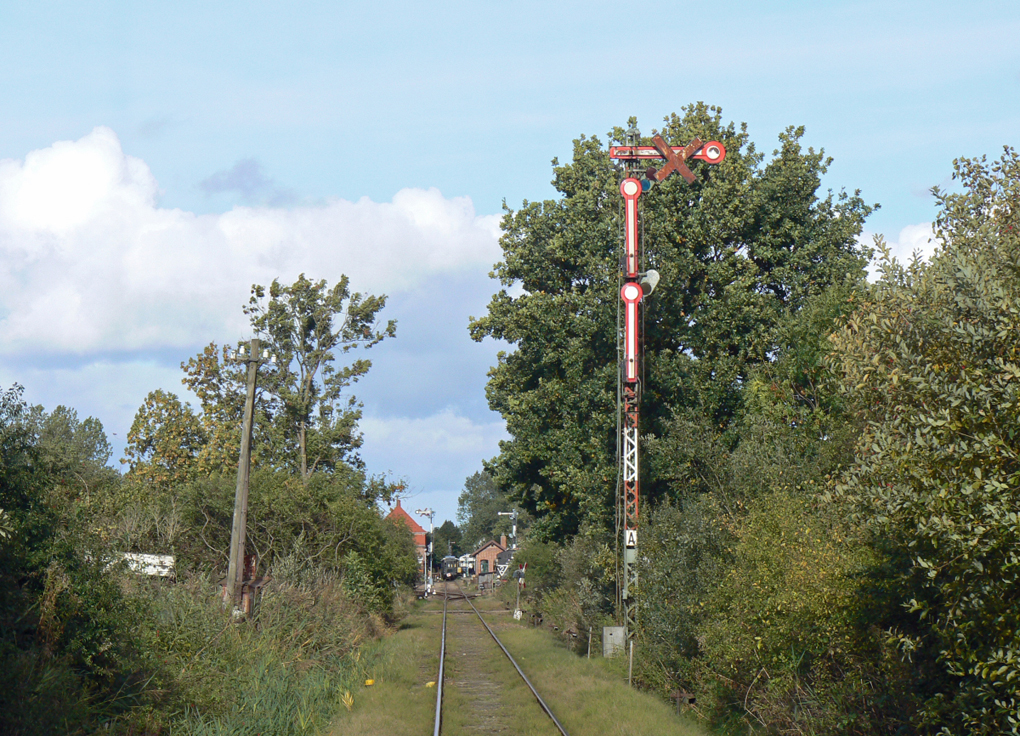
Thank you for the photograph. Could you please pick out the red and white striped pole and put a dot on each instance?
(631, 293)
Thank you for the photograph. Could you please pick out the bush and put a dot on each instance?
(787, 630)
(931, 367)
(282, 671)
(68, 656)
(329, 522)
(686, 552)
(572, 585)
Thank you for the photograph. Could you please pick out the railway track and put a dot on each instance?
(457, 596)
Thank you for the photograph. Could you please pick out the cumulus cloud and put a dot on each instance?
(446, 432)
(435, 453)
(913, 239)
(109, 390)
(89, 261)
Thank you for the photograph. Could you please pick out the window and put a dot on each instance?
(485, 566)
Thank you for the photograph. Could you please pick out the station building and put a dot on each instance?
(489, 558)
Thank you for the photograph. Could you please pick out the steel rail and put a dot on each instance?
(439, 682)
(520, 672)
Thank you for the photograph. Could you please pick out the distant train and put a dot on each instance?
(451, 567)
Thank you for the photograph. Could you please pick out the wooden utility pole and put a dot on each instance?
(236, 567)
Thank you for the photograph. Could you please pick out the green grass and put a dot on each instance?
(587, 696)
(399, 703)
(591, 696)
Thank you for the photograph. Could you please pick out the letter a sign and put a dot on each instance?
(630, 538)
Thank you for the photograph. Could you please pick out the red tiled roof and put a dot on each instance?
(399, 513)
(492, 542)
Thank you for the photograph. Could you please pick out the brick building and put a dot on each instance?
(486, 561)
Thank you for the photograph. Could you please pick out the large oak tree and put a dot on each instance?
(738, 250)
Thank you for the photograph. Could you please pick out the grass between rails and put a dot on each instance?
(484, 693)
(587, 696)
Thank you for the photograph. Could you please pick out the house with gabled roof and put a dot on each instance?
(486, 560)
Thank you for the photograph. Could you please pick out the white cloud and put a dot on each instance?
(111, 391)
(446, 432)
(435, 453)
(90, 262)
(913, 239)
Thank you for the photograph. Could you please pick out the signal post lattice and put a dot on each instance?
(635, 286)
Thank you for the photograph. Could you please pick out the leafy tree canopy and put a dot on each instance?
(478, 508)
(930, 365)
(74, 451)
(65, 636)
(305, 421)
(745, 245)
(446, 540)
(307, 325)
(164, 442)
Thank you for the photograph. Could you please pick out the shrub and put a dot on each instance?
(282, 671)
(931, 367)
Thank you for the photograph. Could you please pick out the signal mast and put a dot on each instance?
(638, 284)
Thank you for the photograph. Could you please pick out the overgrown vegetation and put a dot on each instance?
(87, 645)
(830, 485)
(929, 366)
(831, 478)
(283, 671)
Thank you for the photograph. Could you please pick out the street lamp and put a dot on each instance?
(428, 549)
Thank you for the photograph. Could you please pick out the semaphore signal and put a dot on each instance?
(636, 286)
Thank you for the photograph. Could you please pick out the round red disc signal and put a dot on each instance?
(712, 152)
(631, 293)
(630, 188)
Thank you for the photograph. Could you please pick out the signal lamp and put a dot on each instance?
(649, 280)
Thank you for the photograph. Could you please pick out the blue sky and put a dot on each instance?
(241, 141)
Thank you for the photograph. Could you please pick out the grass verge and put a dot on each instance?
(399, 702)
(587, 696)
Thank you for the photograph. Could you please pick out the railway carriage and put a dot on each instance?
(451, 568)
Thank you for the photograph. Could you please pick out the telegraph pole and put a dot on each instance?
(236, 567)
(636, 286)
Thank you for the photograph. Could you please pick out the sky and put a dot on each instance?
(157, 159)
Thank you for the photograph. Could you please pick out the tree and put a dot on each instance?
(446, 540)
(308, 422)
(75, 452)
(739, 249)
(66, 637)
(164, 441)
(930, 365)
(478, 508)
(220, 382)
